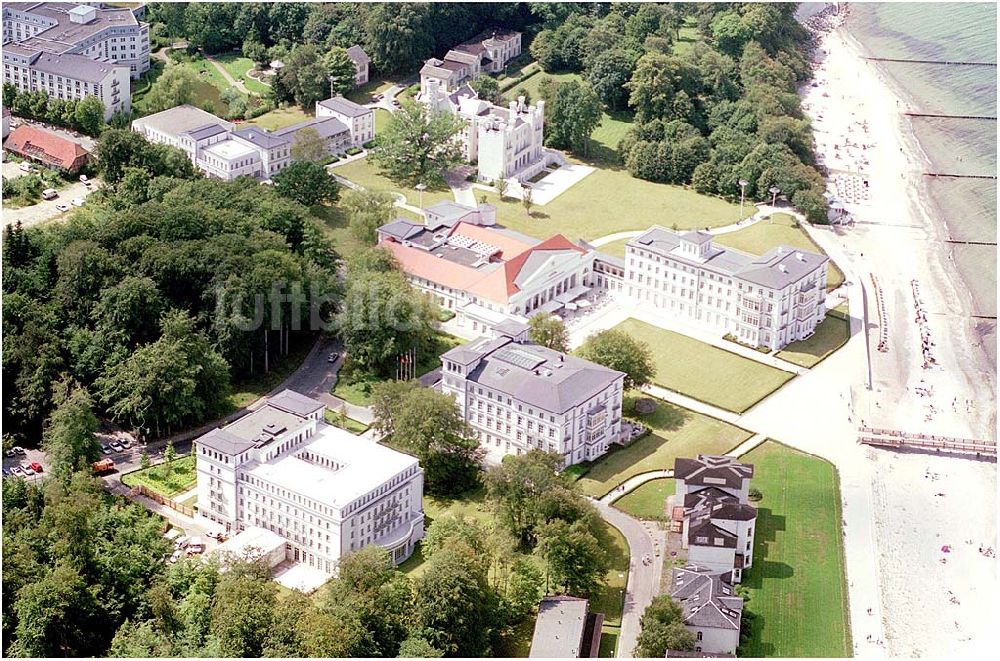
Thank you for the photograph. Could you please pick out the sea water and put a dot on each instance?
(965, 32)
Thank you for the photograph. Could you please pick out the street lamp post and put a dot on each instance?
(421, 187)
(773, 190)
(743, 187)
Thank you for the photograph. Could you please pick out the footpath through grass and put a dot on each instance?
(831, 334)
(648, 501)
(705, 372)
(181, 477)
(780, 229)
(797, 584)
(675, 432)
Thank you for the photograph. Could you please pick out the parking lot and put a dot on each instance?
(13, 465)
(44, 210)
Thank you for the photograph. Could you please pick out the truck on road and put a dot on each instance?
(102, 466)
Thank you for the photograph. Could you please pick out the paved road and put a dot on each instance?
(45, 210)
(643, 579)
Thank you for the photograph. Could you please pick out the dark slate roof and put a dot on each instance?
(295, 403)
(326, 127)
(547, 379)
(358, 54)
(224, 442)
(720, 505)
(206, 131)
(702, 532)
(345, 107)
(401, 229)
(707, 598)
(712, 470)
(258, 136)
(511, 328)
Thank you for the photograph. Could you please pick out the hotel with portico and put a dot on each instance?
(322, 489)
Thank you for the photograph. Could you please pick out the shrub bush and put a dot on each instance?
(369, 144)
(353, 151)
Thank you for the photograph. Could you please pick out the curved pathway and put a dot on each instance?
(633, 483)
(229, 79)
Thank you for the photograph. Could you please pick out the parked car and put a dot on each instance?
(177, 554)
(6, 472)
(62, 207)
(19, 451)
(50, 194)
(37, 467)
(27, 469)
(78, 201)
(182, 543)
(84, 179)
(105, 449)
(126, 443)
(24, 166)
(16, 470)
(196, 546)
(117, 447)
(332, 358)
(9, 453)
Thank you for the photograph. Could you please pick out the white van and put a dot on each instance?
(50, 194)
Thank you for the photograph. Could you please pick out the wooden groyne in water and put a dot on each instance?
(960, 176)
(943, 116)
(954, 63)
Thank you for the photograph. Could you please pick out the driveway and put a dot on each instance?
(643, 580)
(45, 210)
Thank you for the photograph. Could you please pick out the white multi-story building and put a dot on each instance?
(519, 397)
(711, 609)
(68, 76)
(718, 519)
(486, 53)
(361, 63)
(769, 301)
(324, 490)
(46, 44)
(505, 143)
(359, 120)
(220, 150)
(488, 275)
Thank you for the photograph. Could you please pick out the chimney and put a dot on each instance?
(799, 256)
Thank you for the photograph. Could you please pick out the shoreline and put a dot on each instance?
(916, 577)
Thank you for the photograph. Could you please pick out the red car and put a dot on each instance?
(37, 467)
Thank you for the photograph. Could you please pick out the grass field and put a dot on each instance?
(831, 334)
(779, 230)
(350, 424)
(797, 584)
(237, 66)
(181, 478)
(675, 432)
(381, 120)
(366, 175)
(615, 248)
(280, 118)
(649, 500)
(704, 372)
(335, 225)
(366, 93)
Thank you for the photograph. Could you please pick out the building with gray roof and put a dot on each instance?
(359, 120)
(768, 301)
(711, 609)
(324, 491)
(361, 64)
(517, 397)
(566, 629)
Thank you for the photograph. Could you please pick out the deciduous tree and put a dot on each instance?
(617, 350)
(307, 183)
(418, 144)
(549, 332)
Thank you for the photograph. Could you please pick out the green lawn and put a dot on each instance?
(675, 432)
(237, 66)
(779, 230)
(181, 478)
(797, 583)
(356, 387)
(381, 120)
(609, 642)
(615, 248)
(249, 390)
(280, 118)
(649, 500)
(366, 175)
(831, 334)
(335, 226)
(366, 93)
(350, 424)
(705, 372)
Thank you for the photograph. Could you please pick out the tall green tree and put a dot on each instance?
(608, 74)
(307, 183)
(617, 350)
(418, 144)
(549, 332)
(340, 70)
(244, 610)
(309, 145)
(367, 210)
(70, 435)
(662, 628)
(572, 117)
(576, 561)
(89, 115)
(397, 37)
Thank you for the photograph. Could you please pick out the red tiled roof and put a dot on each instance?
(45, 146)
(509, 246)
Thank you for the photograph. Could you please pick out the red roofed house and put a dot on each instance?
(51, 150)
(488, 275)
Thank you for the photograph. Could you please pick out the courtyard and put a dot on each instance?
(704, 372)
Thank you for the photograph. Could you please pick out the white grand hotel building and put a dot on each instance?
(323, 490)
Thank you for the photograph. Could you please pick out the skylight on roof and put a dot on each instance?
(519, 358)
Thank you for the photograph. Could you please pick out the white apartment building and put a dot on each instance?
(718, 519)
(324, 490)
(711, 609)
(505, 143)
(359, 120)
(770, 300)
(45, 45)
(68, 77)
(519, 397)
(488, 275)
(361, 64)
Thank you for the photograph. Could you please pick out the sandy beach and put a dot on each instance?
(933, 518)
